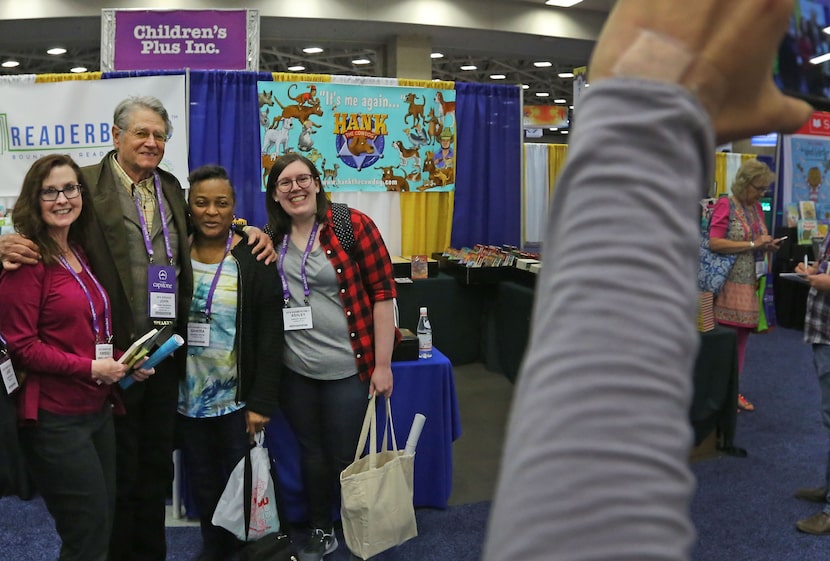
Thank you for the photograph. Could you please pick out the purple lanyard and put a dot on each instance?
(209, 300)
(95, 326)
(286, 293)
(3, 343)
(148, 244)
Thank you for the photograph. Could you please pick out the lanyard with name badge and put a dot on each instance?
(103, 343)
(296, 318)
(161, 279)
(198, 333)
(6, 368)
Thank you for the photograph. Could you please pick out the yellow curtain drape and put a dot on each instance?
(557, 154)
(45, 78)
(293, 77)
(426, 222)
(721, 176)
(412, 83)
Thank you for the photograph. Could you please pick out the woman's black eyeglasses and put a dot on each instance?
(70, 192)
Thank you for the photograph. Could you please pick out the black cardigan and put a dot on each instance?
(259, 337)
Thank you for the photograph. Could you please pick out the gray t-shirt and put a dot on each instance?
(595, 462)
(323, 352)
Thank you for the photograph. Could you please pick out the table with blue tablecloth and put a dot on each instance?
(422, 386)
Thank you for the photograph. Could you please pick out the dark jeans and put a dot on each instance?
(211, 448)
(144, 454)
(72, 462)
(326, 416)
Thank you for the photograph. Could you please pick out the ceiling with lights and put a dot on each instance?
(540, 64)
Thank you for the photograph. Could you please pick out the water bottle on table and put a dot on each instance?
(424, 332)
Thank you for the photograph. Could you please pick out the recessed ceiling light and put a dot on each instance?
(563, 3)
(553, 129)
(560, 100)
(78, 69)
(360, 61)
(570, 106)
(497, 76)
(296, 68)
(469, 67)
(56, 51)
(525, 87)
(436, 55)
(542, 94)
(566, 74)
(542, 64)
(312, 50)
(563, 132)
(10, 64)
(586, 85)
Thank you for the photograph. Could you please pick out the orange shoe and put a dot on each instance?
(744, 404)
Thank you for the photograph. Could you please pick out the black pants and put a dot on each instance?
(144, 454)
(326, 416)
(211, 448)
(72, 462)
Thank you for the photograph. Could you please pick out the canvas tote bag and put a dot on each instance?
(376, 508)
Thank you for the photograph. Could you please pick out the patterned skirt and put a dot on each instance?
(737, 304)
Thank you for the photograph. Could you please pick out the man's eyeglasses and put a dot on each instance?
(70, 192)
(302, 181)
(142, 134)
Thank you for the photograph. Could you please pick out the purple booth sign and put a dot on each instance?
(173, 39)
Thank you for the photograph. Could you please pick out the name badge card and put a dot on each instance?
(198, 334)
(297, 318)
(9, 377)
(161, 283)
(103, 350)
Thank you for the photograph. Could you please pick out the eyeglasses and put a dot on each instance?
(302, 181)
(71, 191)
(142, 134)
(760, 188)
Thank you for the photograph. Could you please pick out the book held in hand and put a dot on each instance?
(139, 348)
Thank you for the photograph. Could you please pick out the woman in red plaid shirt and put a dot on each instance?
(339, 330)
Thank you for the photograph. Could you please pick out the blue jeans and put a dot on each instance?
(211, 448)
(326, 416)
(821, 360)
(71, 459)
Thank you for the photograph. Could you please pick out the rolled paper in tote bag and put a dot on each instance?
(414, 433)
(166, 349)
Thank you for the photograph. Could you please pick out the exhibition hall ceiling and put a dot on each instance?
(511, 55)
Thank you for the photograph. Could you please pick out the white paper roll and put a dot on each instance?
(414, 433)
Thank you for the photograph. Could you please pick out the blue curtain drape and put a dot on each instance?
(224, 130)
(489, 165)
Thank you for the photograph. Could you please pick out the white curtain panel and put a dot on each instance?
(733, 163)
(383, 208)
(536, 189)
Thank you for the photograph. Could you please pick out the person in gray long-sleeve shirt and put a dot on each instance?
(595, 460)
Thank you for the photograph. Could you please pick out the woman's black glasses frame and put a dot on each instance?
(71, 191)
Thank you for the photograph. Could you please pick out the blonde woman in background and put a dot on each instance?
(738, 226)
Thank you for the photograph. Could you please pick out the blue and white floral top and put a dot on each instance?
(210, 385)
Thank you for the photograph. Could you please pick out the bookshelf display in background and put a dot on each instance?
(487, 264)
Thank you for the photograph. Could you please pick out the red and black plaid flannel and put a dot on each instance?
(364, 277)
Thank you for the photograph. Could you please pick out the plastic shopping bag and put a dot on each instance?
(230, 511)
